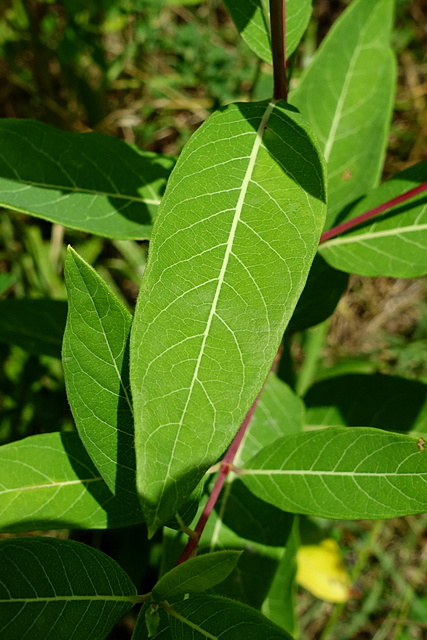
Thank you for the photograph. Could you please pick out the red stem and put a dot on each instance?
(226, 466)
(278, 48)
(345, 226)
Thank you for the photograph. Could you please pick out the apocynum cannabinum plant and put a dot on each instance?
(180, 414)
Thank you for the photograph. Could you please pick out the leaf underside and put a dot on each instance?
(210, 314)
(315, 473)
(84, 181)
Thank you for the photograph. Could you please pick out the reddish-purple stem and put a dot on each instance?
(226, 466)
(345, 226)
(278, 48)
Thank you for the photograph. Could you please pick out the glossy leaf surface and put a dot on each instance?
(48, 481)
(84, 181)
(52, 589)
(347, 94)
(391, 244)
(95, 359)
(385, 402)
(252, 19)
(210, 314)
(384, 473)
(34, 325)
(196, 574)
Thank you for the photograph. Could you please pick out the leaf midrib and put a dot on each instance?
(221, 277)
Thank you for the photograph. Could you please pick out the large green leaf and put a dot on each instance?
(211, 618)
(96, 360)
(49, 482)
(347, 473)
(347, 94)
(52, 589)
(252, 19)
(233, 243)
(386, 402)
(392, 244)
(35, 325)
(196, 574)
(85, 181)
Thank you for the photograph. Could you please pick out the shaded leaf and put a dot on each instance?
(347, 94)
(384, 473)
(210, 312)
(34, 325)
(391, 244)
(95, 359)
(84, 181)
(386, 402)
(280, 604)
(196, 574)
(223, 619)
(52, 589)
(279, 412)
(320, 296)
(252, 19)
(49, 482)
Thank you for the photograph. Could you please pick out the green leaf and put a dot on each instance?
(315, 473)
(49, 482)
(7, 280)
(196, 574)
(34, 325)
(210, 312)
(210, 618)
(252, 19)
(52, 589)
(385, 402)
(95, 359)
(320, 296)
(392, 244)
(279, 412)
(84, 181)
(216, 618)
(280, 604)
(347, 94)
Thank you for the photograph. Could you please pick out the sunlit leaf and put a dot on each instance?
(391, 244)
(95, 359)
(252, 19)
(84, 181)
(347, 94)
(210, 314)
(315, 473)
(48, 481)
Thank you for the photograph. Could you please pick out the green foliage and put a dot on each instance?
(49, 481)
(56, 587)
(221, 293)
(189, 409)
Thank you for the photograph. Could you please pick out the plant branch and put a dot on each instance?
(278, 48)
(345, 226)
(226, 467)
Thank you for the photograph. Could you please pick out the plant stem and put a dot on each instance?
(226, 466)
(278, 48)
(345, 226)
